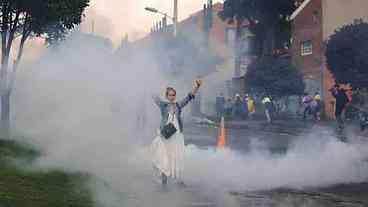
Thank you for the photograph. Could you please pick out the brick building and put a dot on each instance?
(312, 24)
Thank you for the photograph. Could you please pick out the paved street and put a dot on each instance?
(277, 138)
(240, 133)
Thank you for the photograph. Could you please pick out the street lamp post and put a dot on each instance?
(174, 18)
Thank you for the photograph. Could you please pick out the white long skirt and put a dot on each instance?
(168, 154)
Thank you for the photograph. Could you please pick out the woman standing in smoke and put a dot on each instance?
(168, 146)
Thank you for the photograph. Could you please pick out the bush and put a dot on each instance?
(347, 55)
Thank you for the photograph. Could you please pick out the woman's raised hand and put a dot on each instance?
(198, 83)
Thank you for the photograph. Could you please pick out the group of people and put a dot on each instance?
(168, 146)
(238, 107)
(313, 104)
(243, 107)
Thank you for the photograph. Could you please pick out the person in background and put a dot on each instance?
(238, 107)
(250, 106)
(228, 107)
(266, 101)
(245, 107)
(317, 106)
(341, 101)
(307, 101)
(220, 105)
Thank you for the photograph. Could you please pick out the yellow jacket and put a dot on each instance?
(250, 104)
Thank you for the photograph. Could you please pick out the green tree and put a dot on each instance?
(268, 20)
(274, 76)
(49, 19)
(347, 55)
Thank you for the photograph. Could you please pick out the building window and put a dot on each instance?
(306, 48)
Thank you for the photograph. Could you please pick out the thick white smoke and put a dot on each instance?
(89, 111)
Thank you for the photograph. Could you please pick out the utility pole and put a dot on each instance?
(175, 19)
(207, 20)
(93, 26)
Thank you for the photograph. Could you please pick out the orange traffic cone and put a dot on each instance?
(221, 139)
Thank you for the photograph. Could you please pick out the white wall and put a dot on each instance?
(337, 13)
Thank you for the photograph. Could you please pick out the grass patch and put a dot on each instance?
(23, 188)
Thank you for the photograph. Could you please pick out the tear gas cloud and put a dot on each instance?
(89, 109)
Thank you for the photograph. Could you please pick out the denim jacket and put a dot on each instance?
(165, 107)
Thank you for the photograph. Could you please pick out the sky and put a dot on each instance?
(115, 18)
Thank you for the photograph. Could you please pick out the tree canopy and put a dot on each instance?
(49, 19)
(274, 76)
(347, 55)
(268, 20)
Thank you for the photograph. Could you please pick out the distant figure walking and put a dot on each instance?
(268, 106)
(341, 101)
(251, 106)
(317, 106)
(307, 101)
(238, 107)
(168, 146)
(228, 107)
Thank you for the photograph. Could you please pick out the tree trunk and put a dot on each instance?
(5, 115)
(9, 28)
(17, 61)
(5, 99)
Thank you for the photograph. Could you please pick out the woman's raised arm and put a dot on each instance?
(191, 95)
